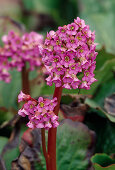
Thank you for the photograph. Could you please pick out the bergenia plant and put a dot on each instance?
(69, 57)
(17, 51)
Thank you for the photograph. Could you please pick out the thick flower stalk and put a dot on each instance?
(69, 56)
(40, 112)
(19, 50)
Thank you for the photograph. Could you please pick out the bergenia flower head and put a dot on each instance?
(40, 112)
(17, 50)
(69, 52)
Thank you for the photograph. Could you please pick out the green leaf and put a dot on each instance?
(73, 139)
(10, 91)
(47, 90)
(102, 75)
(105, 90)
(103, 57)
(100, 17)
(9, 156)
(105, 132)
(94, 105)
(42, 164)
(98, 167)
(28, 4)
(3, 141)
(111, 118)
(103, 161)
(107, 137)
(5, 116)
(35, 83)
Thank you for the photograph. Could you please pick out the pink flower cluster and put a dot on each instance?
(4, 70)
(40, 113)
(18, 50)
(69, 56)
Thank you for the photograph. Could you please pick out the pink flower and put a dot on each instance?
(40, 113)
(67, 86)
(74, 68)
(55, 60)
(23, 112)
(49, 81)
(67, 78)
(54, 117)
(4, 70)
(84, 85)
(4, 38)
(75, 83)
(79, 22)
(16, 44)
(56, 124)
(30, 125)
(42, 104)
(71, 42)
(30, 106)
(80, 39)
(48, 125)
(82, 51)
(40, 125)
(67, 59)
(23, 97)
(87, 32)
(52, 104)
(55, 44)
(59, 70)
(62, 31)
(70, 51)
(72, 28)
(57, 81)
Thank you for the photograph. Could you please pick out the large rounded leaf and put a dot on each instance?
(74, 144)
(103, 161)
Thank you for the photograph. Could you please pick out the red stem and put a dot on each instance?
(25, 81)
(44, 147)
(52, 133)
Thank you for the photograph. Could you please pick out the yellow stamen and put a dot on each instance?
(59, 69)
(73, 67)
(66, 58)
(62, 30)
(31, 106)
(55, 59)
(79, 38)
(72, 28)
(81, 50)
(87, 74)
(57, 42)
(41, 104)
(72, 41)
